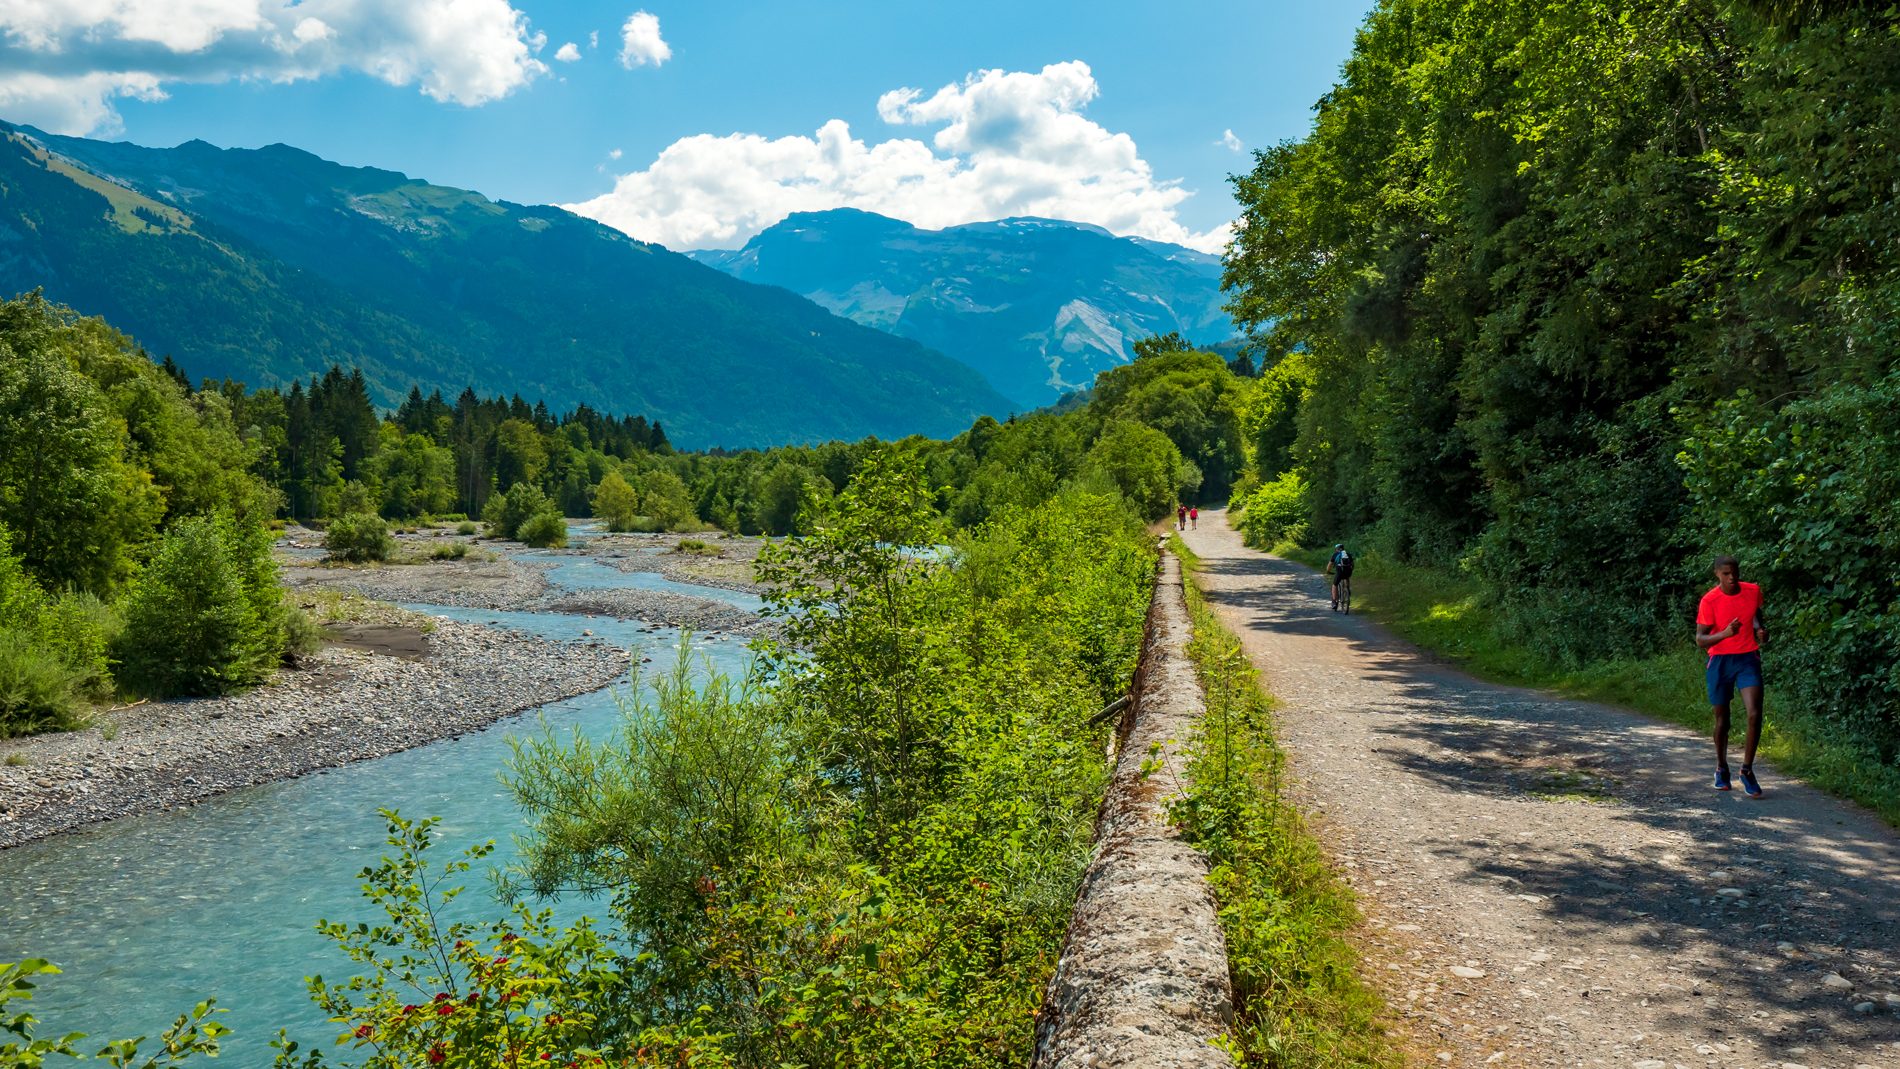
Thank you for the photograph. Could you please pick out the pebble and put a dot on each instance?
(1835, 981)
(1467, 972)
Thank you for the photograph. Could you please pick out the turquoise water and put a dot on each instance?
(149, 914)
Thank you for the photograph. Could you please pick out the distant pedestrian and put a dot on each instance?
(1180, 517)
(1194, 518)
(1728, 624)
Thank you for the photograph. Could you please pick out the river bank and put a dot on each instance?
(345, 704)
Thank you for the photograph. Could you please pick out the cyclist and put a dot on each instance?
(1339, 567)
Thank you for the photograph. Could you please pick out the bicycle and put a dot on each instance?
(1342, 601)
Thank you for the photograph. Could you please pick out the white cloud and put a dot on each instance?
(568, 53)
(1229, 141)
(613, 154)
(64, 64)
(1007, 143)
(593, 38)
(640, 41)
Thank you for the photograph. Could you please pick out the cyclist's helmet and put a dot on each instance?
(1339, 545)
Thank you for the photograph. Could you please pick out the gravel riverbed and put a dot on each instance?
(344, 705)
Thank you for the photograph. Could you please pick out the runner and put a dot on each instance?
(1339, 567)
(1734, 663)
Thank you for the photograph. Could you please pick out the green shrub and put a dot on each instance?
(468, 527)
(543, 530)
(697, 548)
(505, 513)
(1276, 512)
(204, 617)
(39, 691)
(449, 551)
(55, 651)
(358, 537)
(616, 502)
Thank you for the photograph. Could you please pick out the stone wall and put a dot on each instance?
(1143, 979)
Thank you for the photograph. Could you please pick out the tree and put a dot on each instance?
(1144, 466)
(76, 508)
(616, 502)
(520, 455)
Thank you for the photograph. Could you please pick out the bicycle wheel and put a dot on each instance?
(1345, 596)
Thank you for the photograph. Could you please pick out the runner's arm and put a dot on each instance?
(1706, 636)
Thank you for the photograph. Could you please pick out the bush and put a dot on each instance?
(449, 551)
(544, 530)
(358, 537)
(205, 616)
(468, 527)
(39, 691)
(505, 513)
(697, 548)
(1276, 512)
(52, 651)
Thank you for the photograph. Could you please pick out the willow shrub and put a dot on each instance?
(869, 857)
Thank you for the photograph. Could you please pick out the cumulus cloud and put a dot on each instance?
(640, 41)
(1006, 143)
(1229, 141)
(63, 65)
(568, 53)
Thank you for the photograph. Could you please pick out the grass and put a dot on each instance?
(697, 548)
(1443, 613)
(1298, 997)
(16, 760)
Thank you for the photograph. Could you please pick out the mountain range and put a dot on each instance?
(271, 264)
(1039, 306)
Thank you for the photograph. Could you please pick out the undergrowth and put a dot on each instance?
(1298, 998)
(1445, 614)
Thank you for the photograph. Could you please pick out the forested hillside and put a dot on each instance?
(271, 265)
(1568, 297)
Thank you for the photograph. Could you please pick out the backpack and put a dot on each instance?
(1342, 564)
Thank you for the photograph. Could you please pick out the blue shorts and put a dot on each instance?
(1730, 672)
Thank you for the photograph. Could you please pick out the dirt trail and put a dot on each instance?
(1619, 912)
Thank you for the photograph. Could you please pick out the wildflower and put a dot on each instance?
(438, 1055)
(364, 1031)
(445, 1009)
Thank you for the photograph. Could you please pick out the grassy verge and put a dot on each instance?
(1298, 997)
(1444, 614)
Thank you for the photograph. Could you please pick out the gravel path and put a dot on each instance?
(346, 705)
(1551, 882)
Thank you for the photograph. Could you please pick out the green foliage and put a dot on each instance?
(1191, 397)
(52, 651)
(206, 615)
(665, 502)
(507, 512)
(616, 502)
(77, 509)
(1809, 499)
(1285, 914)
(428, 991)
(194, 1032)
(1276, 512)
(1531, 251)
(543, 530)
(449, 551)
(868, 857)
(1144, 465)
(468, 527)
(358, 537)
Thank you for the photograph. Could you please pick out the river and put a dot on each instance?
(150, 914)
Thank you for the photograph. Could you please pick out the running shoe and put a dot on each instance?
(1721, 779)
(1749, 786)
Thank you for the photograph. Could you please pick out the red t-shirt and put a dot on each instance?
(1718, 609)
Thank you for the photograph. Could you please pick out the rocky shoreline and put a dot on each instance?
(397, 681)
(343, 705)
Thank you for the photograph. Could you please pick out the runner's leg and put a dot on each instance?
(1721, 734)
(1751, 701)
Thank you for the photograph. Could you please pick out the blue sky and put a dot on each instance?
(1116, 112)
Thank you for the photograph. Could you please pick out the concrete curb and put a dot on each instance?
(1143, 979)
